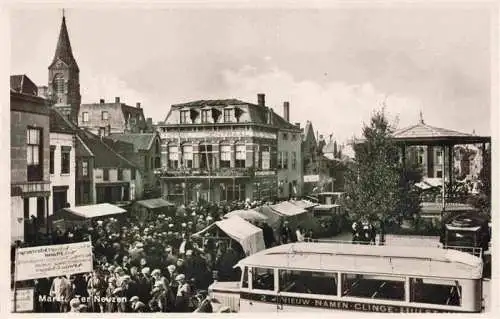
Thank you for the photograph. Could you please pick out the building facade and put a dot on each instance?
(218, 150)
(30, 161)
(111, 177)
(290, 159)
(64, 78)
(112, 118)
(62, 162)
(144, 150)
(84, 184)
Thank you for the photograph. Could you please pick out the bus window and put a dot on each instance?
(308, 282)
(263, 278)
(435, 291)
(372, 286)
(244, 278)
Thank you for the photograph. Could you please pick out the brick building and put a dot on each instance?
(30, 161)
(64, 78)
(145, 154)
(222, 150)
(112, 118)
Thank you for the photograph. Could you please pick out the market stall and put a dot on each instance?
(249, 237)
(144, 209)
(69, 216)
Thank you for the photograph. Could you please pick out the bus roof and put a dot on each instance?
(393, 260)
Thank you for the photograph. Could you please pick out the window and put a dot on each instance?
(439, 158)
(173, 157)
(435, 291)
(157, 147)
(105, 115)
(34, 154)
(152, 162)
(439, 174)
(146, 162)
(85, 116)
(374, 287)
(105, 174)
(227, 116)
(225, 156)
(285, 136)
(65, 159)
(308, 282)
(294, 137)
(294, 160)
(284, 164)
(52, 151)
(266, 159)
(263, 278)
(187, 156)
(240, 156)
(204, 116)
(85, 168)
(244, 278)
(184, 116)
(157, 162)
(280, 159)
(132, 174)
(120, 174)
(256, 158)
(59, 83)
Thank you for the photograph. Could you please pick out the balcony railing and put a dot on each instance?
(220, 172)
(20, 188)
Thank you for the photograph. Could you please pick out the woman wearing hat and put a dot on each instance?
(183, 294)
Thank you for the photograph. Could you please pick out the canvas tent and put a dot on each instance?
(79, 214)
(147, 207)
(250, 215)
(287, 209)
(247, 235)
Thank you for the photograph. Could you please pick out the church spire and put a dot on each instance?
(63, 49)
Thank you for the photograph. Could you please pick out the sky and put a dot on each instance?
(334, 65)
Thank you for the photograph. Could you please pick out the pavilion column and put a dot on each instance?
(403, 155)
(430, 161)
(450, 167)
(483, 153)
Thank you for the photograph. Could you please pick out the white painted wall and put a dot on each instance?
(16, 211)
(58, 179)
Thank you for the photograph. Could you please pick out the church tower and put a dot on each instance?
(64, 77)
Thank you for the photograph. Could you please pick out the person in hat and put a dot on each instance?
(110, 293)
(74, 305)
(183, 294)
(61, 290)
(158, 278)
(136, 305)
(96, 287)
(144, 284)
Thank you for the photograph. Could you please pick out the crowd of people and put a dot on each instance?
(151, 264)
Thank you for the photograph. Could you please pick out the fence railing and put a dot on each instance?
(476, 251)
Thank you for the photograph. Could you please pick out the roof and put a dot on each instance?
(154, 203)
(104, 155)
(422, 132)
(288, 209)
(59, 124)
(303, 203)
(23, 84)
(141, 141)
(97, 210)
(257, 113)
(399, 260)
(249, 236)
(247, 214)
(308, 131)
(63, 48)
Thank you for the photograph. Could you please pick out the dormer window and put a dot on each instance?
(227, 115)
(184, 115)
(204, 116)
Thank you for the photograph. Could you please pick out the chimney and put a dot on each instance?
(261, 99)
(286, 111)
(101, 101)
(138, 105)
(117, 99)
(270, 116)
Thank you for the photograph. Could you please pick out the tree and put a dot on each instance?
(377, 186)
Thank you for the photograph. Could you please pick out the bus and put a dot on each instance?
(344, 277)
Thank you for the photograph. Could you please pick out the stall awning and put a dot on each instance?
(97, 210)
(154, 203)
(305, 204)
(288, 209)
(247, 214)
(247, 235)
